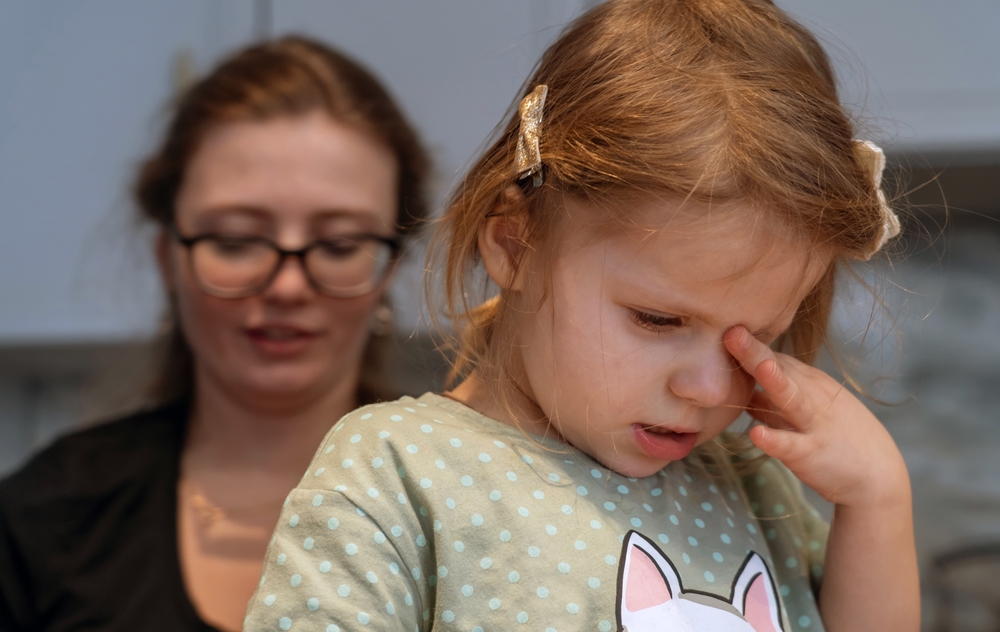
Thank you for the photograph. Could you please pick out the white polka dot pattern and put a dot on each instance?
(424, 515)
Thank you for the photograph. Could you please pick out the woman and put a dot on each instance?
(284, 189)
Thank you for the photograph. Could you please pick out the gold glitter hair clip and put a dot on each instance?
(528, 159)
(870, 155)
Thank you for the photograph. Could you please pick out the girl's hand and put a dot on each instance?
(817, 428)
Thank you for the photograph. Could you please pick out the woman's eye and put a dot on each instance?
(338, 247)
(233, 244)
(654, 322)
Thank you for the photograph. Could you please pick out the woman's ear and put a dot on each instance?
(503, 239)
(163, 262)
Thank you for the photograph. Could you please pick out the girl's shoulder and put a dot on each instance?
(408, 414)
(429, 419)
(409, 430)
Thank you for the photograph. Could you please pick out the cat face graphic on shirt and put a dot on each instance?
(652, 599)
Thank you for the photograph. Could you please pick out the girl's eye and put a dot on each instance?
(654, 322)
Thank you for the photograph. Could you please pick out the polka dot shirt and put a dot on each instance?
(422, 514)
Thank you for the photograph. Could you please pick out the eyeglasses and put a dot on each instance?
(237, 267)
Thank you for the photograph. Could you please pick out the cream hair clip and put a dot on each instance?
(528, 159)
(871, 156)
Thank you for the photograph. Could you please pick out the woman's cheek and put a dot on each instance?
(349, 323)
(213, 327)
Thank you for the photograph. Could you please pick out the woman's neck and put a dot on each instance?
(236, 442)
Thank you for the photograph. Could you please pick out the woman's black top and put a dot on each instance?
(88, 532)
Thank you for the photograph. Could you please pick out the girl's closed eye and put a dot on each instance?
(657, 323)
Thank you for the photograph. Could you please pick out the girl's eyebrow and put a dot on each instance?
(765, 333)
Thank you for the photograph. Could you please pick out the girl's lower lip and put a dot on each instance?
(280, 347)
(672, 446)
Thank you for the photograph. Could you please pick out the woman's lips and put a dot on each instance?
(664, 445)
(279, 341)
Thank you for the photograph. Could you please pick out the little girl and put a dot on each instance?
(661, 222)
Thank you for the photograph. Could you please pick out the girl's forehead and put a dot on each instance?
(663, 226)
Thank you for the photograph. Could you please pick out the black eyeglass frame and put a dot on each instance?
(190, 241)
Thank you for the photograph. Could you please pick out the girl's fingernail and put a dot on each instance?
(761, 435)
(744, 340)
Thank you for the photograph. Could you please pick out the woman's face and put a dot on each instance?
(292, 180)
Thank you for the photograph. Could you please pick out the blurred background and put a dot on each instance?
(83, 91)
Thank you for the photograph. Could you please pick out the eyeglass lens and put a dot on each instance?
(240, 266)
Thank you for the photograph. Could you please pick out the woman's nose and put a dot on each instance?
(703, 375)
(290, 283)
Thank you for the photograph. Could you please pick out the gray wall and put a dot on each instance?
(82, 87)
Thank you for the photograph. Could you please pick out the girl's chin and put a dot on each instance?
(636, 468)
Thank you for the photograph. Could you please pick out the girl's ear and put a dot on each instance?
(503, 239)
(163, 262)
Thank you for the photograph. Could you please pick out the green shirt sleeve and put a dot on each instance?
(331, 567)
(795, 531)
(349, 546)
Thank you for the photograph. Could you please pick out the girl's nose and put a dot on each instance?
(703, 375)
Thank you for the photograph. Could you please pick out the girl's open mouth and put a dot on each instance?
(664, 444)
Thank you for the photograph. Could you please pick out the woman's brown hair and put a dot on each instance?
(716, 101)
(290, 76)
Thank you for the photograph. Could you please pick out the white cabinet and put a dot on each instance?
(925, 74)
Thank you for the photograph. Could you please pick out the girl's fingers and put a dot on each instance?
(779, 444)
(763, 409)
(748, 351)
(761, 363)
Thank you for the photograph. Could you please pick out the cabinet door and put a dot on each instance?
(921, 74)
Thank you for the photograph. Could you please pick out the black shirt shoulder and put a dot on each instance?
(97, 460)
(88, 531)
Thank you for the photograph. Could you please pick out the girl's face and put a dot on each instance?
(625, 357)
(293, 181)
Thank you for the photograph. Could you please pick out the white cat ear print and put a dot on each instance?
(651, 597)
(755, 596)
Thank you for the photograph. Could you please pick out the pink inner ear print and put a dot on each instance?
(758, 608)
(645, 586)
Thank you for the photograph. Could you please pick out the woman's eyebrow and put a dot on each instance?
(339, 213)
(362, 219)
(257, 212)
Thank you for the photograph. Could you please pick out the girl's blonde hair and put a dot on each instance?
(711, 100)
